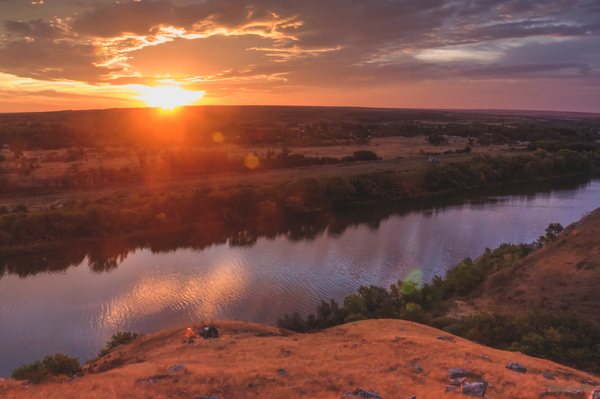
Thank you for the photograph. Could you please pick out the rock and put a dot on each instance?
(365, 394)
(476, 389)
(412, 397)
(519, 368)
(347, 394)
(475, 342)
(208, 397)
(451, 388)
(287, 353)
(176, 368)
(548, 376)
(457, 381)
(458, 373)
(401, 328)
(73, 378)
(441, 338)
(595, 394)
(149, 381)
(418, 369)
(283, 372)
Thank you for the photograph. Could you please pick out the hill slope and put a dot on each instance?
(564, 275)
(374, 355)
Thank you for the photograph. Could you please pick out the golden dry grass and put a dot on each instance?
(564, 275)
(244, 362)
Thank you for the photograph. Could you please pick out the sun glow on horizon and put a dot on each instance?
(169, 97)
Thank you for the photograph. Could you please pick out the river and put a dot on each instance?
(73, 300)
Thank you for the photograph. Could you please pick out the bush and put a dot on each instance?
(364, 155)
(295, 322)
(120, 338)
(60, 364)
(52, 365)
(34, 372)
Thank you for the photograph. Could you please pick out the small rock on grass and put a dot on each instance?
(149, 381)
(176, 368)
(458, 373)
(283, 372)
(441, 338)
(457, 381)
(519, 368)
(451, 388)
(476, 389)
(548, 376)
(362, 394)
(208, 397)
(418, 369)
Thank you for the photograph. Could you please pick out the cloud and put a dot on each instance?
(540, 6)
(53, 60)
(271, 45)
(35, 29)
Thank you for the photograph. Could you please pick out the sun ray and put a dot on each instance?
(168, 97)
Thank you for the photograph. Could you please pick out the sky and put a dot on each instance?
(453, 54)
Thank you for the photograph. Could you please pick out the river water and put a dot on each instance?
(72, 301)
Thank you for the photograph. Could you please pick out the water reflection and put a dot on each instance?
(73, 300)
(107, 255)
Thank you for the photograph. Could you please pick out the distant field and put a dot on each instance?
(398, 153)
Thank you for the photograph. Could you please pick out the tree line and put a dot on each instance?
(110, 216)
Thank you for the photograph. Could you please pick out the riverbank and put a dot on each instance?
(180, 279)
(337, 193)
(396, 358)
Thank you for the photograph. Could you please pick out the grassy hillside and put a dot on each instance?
(244, 363)
(564, 275)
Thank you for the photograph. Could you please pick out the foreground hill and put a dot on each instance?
(564, 275)
(396, 358)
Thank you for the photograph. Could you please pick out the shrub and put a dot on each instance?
(295, 322)
(52, 365)
(120, 338)
(34, 372)
(364, 155)
(60, 364)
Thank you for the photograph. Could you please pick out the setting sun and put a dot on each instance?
(169, 97)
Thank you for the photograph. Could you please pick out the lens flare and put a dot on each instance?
(169, 97)
(251, 161)
(218, 137)
(412, 282)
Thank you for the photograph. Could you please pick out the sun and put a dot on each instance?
(169, 97)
